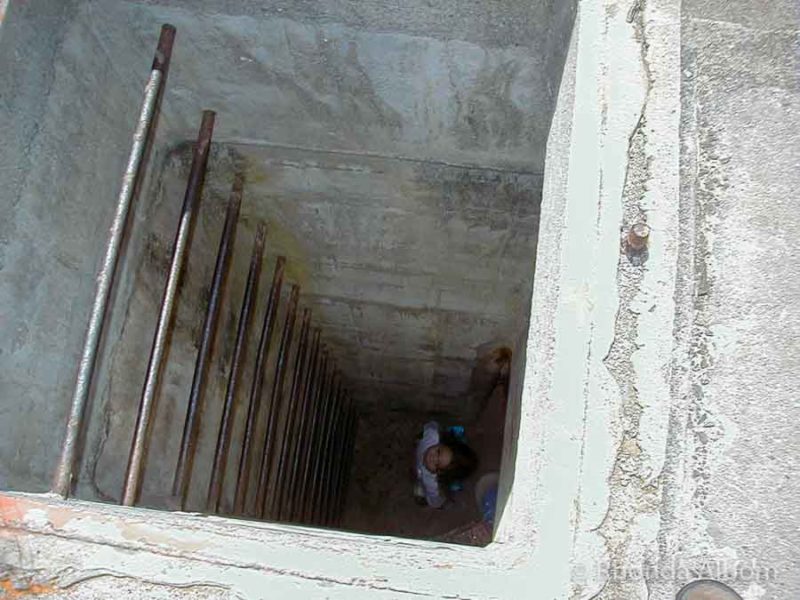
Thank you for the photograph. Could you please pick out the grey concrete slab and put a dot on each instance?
(330, 85)
(741, 152)
(756, 14)
(514, 23)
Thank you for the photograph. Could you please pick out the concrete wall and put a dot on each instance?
(63, 149)
(410, 267)
(657, 424)
(469, 83)
(396, 156)
(572, 410)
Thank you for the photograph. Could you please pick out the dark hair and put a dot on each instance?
(464, 462)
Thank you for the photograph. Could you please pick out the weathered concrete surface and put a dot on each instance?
(734, 425)
(63, 148)
(596, 377)
(411, 268)
(657, 415)
(703, 428)
(593, 382)
(460, 108)
(332, 85)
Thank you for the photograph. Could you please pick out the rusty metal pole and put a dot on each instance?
(331, 459)
(180, 250)
(310, 407)
(299, 376)
(275, 401)
(336, 467)
(239, 350)
(132, 179)
(347, 466)
(317, 447)
(327, 454)
(286, 474)
(183, 470)
(267, 327)
(307, 459)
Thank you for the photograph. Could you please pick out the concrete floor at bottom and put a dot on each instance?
(380, 496)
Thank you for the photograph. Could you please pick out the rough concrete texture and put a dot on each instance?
(335, 86)
(657, 415)
(411, 268)
(449, 107)
(114, 411)
(734, 449)
(63, 146)
(569, 467)
(686, 452)
(406, 291)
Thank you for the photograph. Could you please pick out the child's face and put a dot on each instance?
(437, 458)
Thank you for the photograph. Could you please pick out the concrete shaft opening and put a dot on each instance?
(394, 159)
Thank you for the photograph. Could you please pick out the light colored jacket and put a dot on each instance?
(430, 483)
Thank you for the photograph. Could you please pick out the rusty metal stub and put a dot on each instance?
(635, 242)
(638, 235)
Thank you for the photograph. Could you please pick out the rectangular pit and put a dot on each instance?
(395, 155)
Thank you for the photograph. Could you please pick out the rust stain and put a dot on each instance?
(282, 239)
(254, 171)
(10, 510)
(13, 511)
(7, 590)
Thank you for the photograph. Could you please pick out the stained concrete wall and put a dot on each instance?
(656, 429)
(571, 407)
(397, 157)
(63, 148)
(411, 268)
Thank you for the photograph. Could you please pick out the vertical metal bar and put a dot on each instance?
(299, 377)
(183, 470)
(330, 464)
(179, 252)
(336, 466)
(132, 179)
(312, 445)
(317, 447)
(275, 401)
(240, 347)
(327, 454)
(347, 465)
(310, 408)
(267, 327)
(289, 471)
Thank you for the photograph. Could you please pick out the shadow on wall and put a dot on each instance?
(381, 492)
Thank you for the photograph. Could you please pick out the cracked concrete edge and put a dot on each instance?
(47, 541)
(594, 436)
(640, 359)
